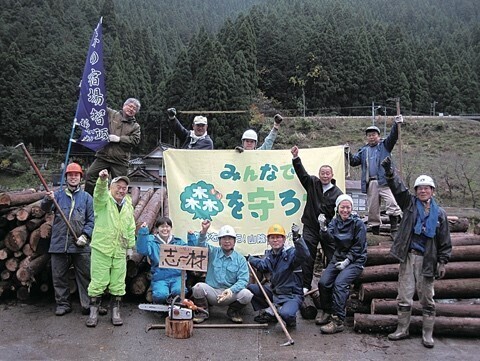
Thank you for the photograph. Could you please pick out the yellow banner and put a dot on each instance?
(249, 191)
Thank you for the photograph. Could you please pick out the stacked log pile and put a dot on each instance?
(458, 313)
(25, 232)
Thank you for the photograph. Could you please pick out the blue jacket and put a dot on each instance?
(361, 158)
(149, 245)
(223, 271)
(350, 237)
(286, 271)
(78, 209)
(184, 136)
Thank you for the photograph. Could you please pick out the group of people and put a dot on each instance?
(333, 236)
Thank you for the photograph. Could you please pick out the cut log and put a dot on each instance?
(29, 270)
(12, 215)
(34, 223)
(27, 250)
(142, 202)
(389, 272)
(150, 212)
(447, 326)
(6, 275)
(16, 199)
(454, 288)
(465, 239)
(135, 194)
(23, 293)
(12, 264)
(34, 239)
(25, 211)
(456, 224)
(178, 328)
(5, 253)
(46, 230)
(389, 307)
(16, 238)
(133, 264)
(381, 255)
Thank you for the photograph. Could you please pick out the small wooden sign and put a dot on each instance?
(183, 257)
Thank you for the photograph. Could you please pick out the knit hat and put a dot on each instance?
(343, 197)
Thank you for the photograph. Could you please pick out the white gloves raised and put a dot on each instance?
(322, 220)
(398, 118)
(341, 265)
(114, 138)
(225, 295)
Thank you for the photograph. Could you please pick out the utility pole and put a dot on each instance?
(433, 107)
(374, 109)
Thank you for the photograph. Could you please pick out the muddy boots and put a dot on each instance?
(116, 318)
(394, 222)
(198, 316)
(93, 317)
(322, 318)
(404, 314)
(427, 328)
(335, 325)
(234, 312)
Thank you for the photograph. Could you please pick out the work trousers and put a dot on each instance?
(107, 271)
(161, 289)
(98, 164)
(375, 194)
(287, 308)
(201, 290)
(334, 287)
(410, 278)
(313, 239)
(61, 263)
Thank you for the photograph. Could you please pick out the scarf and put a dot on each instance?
(194, 139)
(426, 222)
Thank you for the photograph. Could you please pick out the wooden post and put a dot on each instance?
(182, 289)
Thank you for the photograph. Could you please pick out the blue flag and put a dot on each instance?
(91, 115)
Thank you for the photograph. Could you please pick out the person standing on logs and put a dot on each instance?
(423, 247)
(77, 205)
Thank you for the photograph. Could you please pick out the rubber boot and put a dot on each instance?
(116, 318)
(102, 310)
(376, 230)
(335, 325)
(427, 328)
(92, 319)
(200, 317)
(394, 221)
(404, 314)
(234, 312)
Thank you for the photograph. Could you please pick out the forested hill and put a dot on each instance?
(257, 55)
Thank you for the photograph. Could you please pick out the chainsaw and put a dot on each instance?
(176, 310)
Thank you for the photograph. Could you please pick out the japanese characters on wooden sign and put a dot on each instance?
(183, 257)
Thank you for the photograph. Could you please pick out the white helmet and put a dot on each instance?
(227, 231)
(424, 180)
(250, 134)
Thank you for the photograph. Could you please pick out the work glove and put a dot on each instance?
(322, 222)
(129, 253)
(114, 138)
(277, 118)
(346, 149)
(387, 165)
(341, 265)
(81, 241)
(239, 149)
(440, 270)
(295, 232)
(398, 119)
(172, 112)
(225, 295)
(50, 195)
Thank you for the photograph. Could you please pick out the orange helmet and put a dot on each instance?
(276, 229)
(74, 167)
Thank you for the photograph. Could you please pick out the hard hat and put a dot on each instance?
(250, 134)
(372, 128)
(199, 119)
(424, 180)
(227, 231)
(74, 167)
(277, 230)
